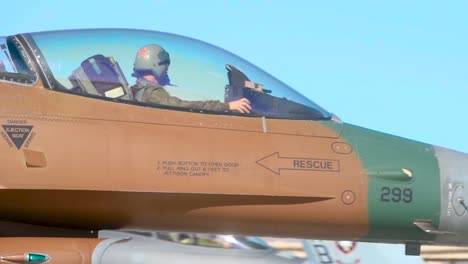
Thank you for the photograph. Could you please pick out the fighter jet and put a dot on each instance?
(137, 247)
(117, 128)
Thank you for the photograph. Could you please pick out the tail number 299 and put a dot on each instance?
(396, 195)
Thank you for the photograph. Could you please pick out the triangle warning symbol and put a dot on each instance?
(17, 134)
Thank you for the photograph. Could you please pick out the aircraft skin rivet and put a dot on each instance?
(348, 197)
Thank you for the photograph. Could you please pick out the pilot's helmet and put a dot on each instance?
(152, 59)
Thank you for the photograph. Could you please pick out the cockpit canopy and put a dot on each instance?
(100, 64)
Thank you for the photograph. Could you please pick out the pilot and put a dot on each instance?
(151, 67)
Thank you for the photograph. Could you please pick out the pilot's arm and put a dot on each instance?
(158, 95)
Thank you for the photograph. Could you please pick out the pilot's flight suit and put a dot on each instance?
(149, 92)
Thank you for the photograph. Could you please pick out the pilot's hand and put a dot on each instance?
(242, 105)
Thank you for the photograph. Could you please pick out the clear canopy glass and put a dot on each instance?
(14, 66)
(6, 64)
(198, 71)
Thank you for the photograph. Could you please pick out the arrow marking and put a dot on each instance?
(275, 163)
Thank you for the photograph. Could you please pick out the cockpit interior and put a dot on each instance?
(99, 64)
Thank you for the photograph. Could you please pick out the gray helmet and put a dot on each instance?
(153, 59)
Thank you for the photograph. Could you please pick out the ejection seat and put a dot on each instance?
(102, 76)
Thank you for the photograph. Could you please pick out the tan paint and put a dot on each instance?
(116, 154)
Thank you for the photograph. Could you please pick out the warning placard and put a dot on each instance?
(17, 134)
(194, 168)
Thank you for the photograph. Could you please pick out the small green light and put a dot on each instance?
(37, 258)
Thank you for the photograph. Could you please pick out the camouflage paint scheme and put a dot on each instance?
(107, 153)
(382, 155)
(90, 164)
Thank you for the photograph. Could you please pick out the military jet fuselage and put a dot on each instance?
(80, 150)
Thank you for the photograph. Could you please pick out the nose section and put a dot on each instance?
(453, 166)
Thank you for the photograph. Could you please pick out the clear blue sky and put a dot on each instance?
(400, 67)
